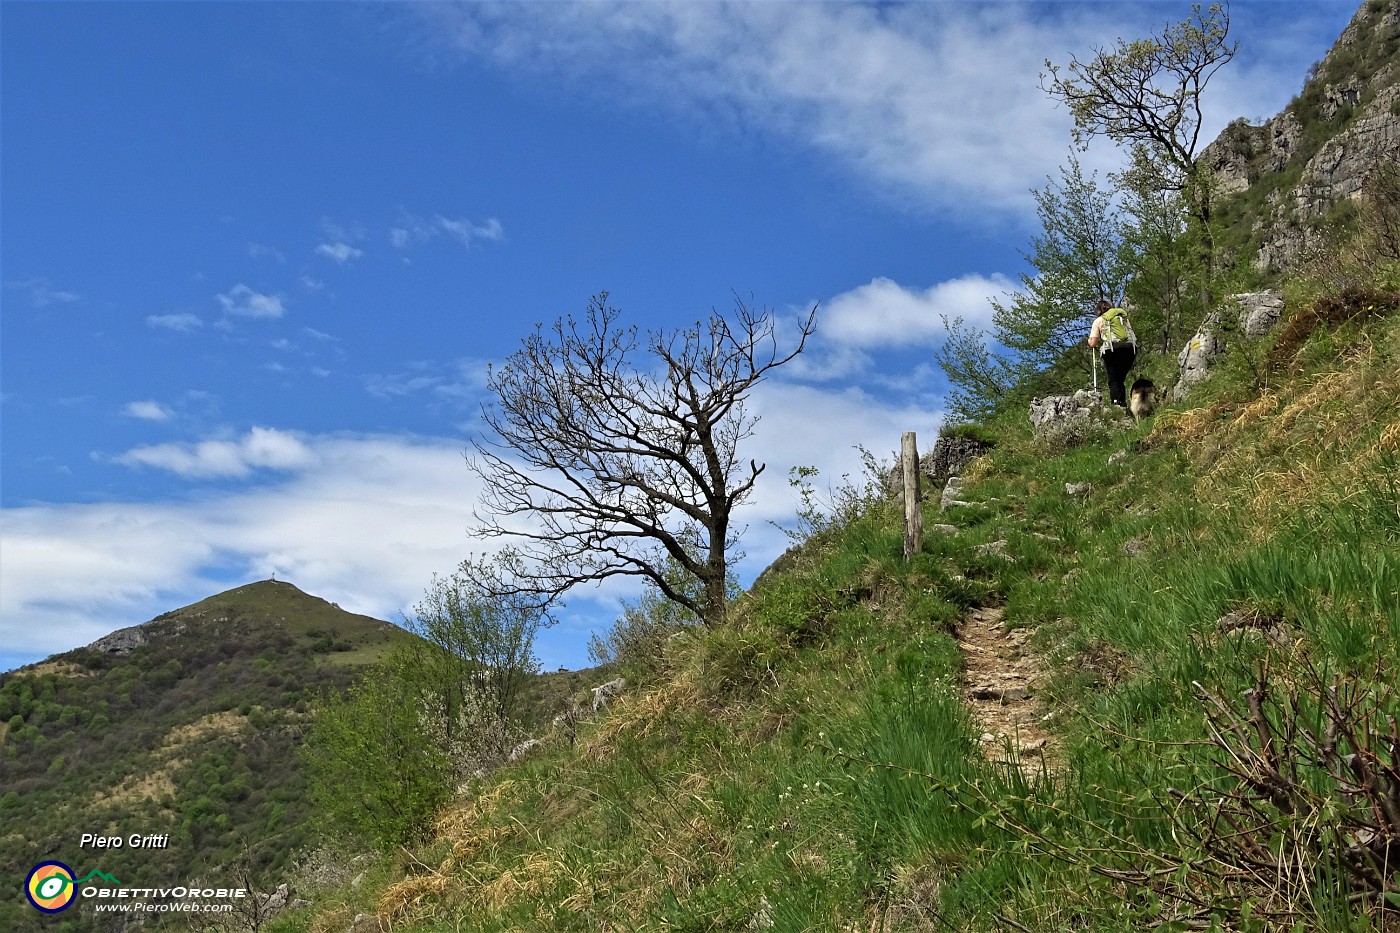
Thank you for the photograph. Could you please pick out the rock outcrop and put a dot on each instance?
(122, 641)
(1257, 314)
(1057, 411)
(951, 453)
(1198, 356)
(1334, 135)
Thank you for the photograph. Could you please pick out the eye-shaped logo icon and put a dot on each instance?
(50, 887)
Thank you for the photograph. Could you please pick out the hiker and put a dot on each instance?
(1113, 331)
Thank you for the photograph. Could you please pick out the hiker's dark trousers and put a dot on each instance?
(1116, 363)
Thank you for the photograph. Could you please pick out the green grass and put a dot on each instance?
(810, 766)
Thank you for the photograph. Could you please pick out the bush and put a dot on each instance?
(375, 768)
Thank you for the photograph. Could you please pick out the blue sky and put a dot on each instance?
(256, 257)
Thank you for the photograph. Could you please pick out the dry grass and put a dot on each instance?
(167, 761)
(61, 668)
(227, 723)
(156, 785)
(1285, 450)
(336, 919)
(535, 874)
(640, 715)
(414, 899)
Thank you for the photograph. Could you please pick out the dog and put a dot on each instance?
(1142, 399)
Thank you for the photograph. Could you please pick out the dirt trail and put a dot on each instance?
(1000, 684)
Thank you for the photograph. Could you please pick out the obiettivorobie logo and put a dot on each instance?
(51, 886)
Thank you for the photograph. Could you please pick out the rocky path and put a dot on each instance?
(1000, 685)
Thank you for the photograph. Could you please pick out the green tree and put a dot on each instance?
(1080, 257)
(1146, 95)
(1083, 254)
(377, 768)
(477, 647)
(1161, 290)
(980, 379)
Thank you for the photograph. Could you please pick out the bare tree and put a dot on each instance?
(1146, 95)
(602, 467)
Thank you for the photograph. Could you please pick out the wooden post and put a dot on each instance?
(913, 515)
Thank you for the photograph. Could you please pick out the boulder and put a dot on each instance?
(950, 493)
(1055, 411)
(1259, 312)
(951, 454)
(1196, 358)
(605, 692)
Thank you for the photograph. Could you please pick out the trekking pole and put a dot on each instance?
(1094, 365)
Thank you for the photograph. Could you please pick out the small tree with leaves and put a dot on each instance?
(1080, 257)
(476, 652)
(615, 451)
(379, 767)
(1146, 95)
(980, 379)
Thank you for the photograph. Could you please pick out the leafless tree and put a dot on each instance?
(615, 450)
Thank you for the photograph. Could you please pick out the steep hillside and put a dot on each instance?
(1136, 676)
(186, 728)
(1199, 614)
(1291, 181)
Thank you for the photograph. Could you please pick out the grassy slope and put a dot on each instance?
(357, 639)
(810, 766)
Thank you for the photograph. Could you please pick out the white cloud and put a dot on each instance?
(412, 230)
(147, 411)
(42, 294)
(884, 313)
(462, 381)
(937, 99)
(244, 302)
(940, 101)
(339, 252)
(180, 323)
(260, 448)
(362, 521)
(260, 251)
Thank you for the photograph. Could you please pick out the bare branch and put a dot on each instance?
(615, 452)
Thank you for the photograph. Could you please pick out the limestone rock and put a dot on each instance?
(1259, 312)
(951, 491)
(1196, 358)
(523, 749)
(1355, 97)
(122, 641)
(605, 692)
(993, 549)
(1057, 410)
(951, 455)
